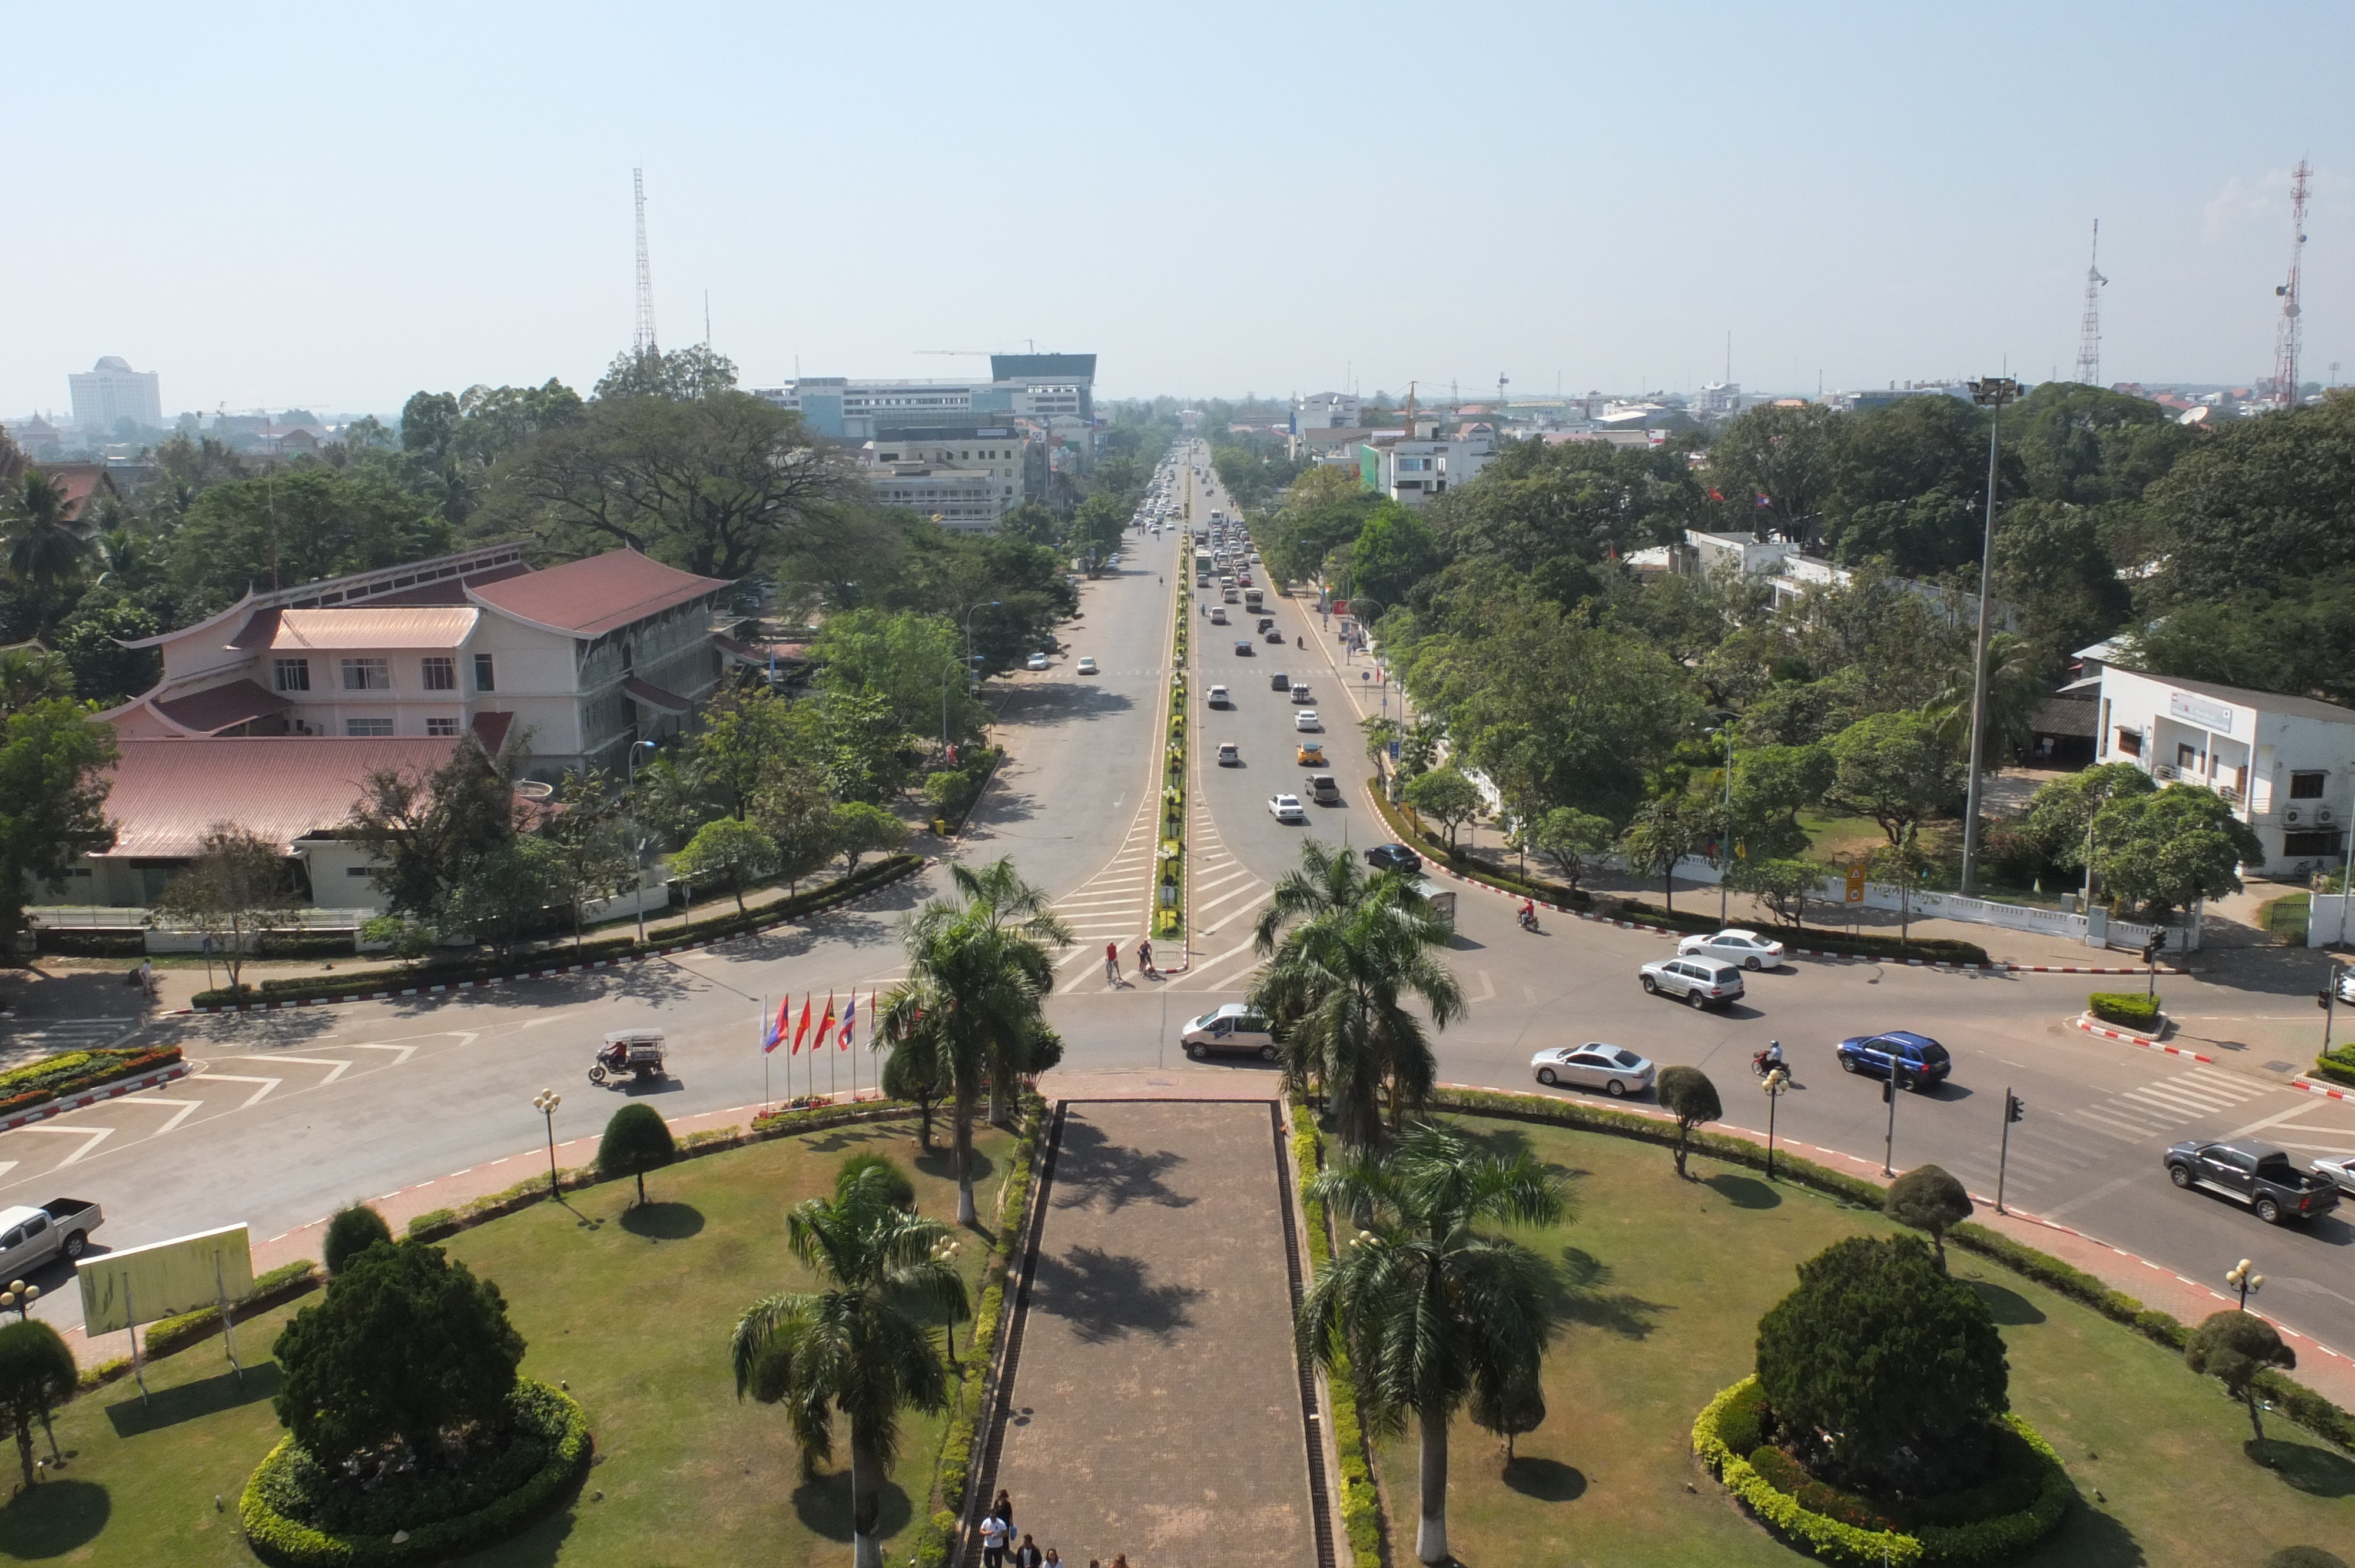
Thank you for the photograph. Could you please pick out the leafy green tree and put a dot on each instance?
(747, 735)
(859, 829)
(1785, 455)
(2052, 561)
(2259, 504)
(32, 674)
(1431, 1309)
(1686, 1093)
(54, 778)
(637, 1141)
(857, 1347)
(1663, 833)
(507, 897)
(1032, 523)
(682, 376)
(1772, 785)
(1568, 838)
(1395, 551)
(2167, 849)
(727, 851)
(1511, 1409)
(1928, 1199)
(1907, 478)
(36, 1375)
(1882, 1371)
(47, 546)
(904, 658)
(239, 886)
(2061, 813)
(429, 832)
(1342, 948)
(899, 1187)
(1549, 516)
(911, 1072)
(588, 857)
(296, 526)
(1901, 864)
(794, 811)
(2088, 446)
(2296, 638)
(1783, 885)
(1447, 795)
(1896, 769)
(405, 1345)
(89, 642)
(2233, 1348)
(1099, 526)
(351, 1230)
(677, 794)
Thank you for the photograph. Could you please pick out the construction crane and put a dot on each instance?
(644, 342)
(2287, 335)
(2089, 331)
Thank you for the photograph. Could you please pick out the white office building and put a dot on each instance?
(111, 392)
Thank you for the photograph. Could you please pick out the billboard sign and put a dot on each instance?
(141, 1284)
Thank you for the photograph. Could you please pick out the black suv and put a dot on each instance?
(1393, 857)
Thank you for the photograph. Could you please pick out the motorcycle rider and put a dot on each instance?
(1769, 1059)
(1529, 916)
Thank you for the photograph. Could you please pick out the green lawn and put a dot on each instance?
(631, 1310)
(1667, 1281)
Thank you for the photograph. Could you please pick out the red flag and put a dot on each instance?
(1715, 493)
(849, 1019)
(774, 1035)
(825, 1025)
(800, 1033)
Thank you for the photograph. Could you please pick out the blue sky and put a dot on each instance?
(338, 205)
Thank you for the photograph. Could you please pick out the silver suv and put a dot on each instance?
(1703, 982)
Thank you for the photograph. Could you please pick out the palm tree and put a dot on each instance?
(1431, 1311)
(978, 976)
(1332, 984)
(30, 673)
(46, 546)
(858, 1346)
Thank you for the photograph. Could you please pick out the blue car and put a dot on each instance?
(1921, 1062)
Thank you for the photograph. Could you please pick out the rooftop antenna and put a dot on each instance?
(1502, 380)
(2089, 331)
(643, 343)
(2287, 335)
(706, 318)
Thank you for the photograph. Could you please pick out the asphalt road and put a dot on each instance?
(296, 1113)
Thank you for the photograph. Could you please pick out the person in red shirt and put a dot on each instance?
(1111, 960)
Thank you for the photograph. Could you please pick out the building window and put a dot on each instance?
(2308, 844)
(293, 674)
(440, 673)
(356, 871)
(2308, 786)
(368, 726)
(2188, 758)
(368, 676)
(484, 675)
(440, 726)
(2130, 742)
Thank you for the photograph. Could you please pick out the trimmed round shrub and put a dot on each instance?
(351, 1233)
(2305, 1557)
(637, 1141)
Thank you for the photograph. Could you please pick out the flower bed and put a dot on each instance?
(290, 1490)
(2025, 1503)
(72, 1072)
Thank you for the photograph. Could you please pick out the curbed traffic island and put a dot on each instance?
(300, 1513)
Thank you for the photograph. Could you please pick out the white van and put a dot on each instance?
(1231, 1027)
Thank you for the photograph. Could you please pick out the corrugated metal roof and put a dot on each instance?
(599, 594)
(220, 707)
(655, 696)
(168, 792)
(365, 626)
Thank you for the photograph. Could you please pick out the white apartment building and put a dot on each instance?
(1793, 574)
(1411, 471)
(111, 391)
(2285, 765)
(961, 500)
(1327, 411)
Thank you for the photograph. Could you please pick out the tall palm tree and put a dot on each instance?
(1430, 1309)
(1343, 947)
(46, 546)
(978, 978)
(858, 1346)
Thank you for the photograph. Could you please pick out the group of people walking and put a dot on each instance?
(1144, 959)
(997, 1532)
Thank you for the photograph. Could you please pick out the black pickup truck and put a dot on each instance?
(2257, 1174)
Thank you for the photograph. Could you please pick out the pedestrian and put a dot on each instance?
(1003, 1507)
(1145, 955)
(993, 1541)
(148, 977)
(1111, 960)
(1054, 1559)
(1028, 1556)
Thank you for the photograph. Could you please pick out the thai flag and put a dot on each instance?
(849, 1019)
(774, 1035)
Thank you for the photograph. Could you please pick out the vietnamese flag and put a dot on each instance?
(801, 1032)
(824, 1024)
(774, 1035)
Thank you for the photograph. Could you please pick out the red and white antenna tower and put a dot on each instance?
(643, 343)
(2287, 334)
(2089, 331)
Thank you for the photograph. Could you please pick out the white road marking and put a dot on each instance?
(2104, 1191)
(91, 1136)
(1265, 892)
(340, 1068)
(2114, 1127)
(406, 1052)
(2276, 1119)
(251, 1100)
(1487, 987)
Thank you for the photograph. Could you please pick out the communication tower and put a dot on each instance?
(2089, 331)
(643, 343)
(2287, 335)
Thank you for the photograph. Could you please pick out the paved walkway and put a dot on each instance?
(1155, 1407)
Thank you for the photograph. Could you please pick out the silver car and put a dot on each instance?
(1703, 982)
(2341, 1170)
(1615, 1071)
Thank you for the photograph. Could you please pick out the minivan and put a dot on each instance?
(1230, 1027)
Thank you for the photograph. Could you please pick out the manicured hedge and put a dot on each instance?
(548, 1413)
(2337, 1067)
(130, 943)
(2127, 1009)
(1361, 1503)
(72, 1072)
(609, 950)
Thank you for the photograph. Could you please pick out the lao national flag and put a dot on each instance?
(801, 1032)
(825, 1025)
(1765, 500)
(849, 1019)
(774, 1035)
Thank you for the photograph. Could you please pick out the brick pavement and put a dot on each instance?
(1155, 1405)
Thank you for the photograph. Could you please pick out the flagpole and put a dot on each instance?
(760, 1025)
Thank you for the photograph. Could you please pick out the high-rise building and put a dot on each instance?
(111, 392)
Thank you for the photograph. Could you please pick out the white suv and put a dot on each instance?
(1703, 982)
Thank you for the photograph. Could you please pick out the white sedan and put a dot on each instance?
(1735, 945)
(2341, 1170)
(1614, 1070)
(1307, 719)
(1286, 808)
(1036, 662)
(1087, 666)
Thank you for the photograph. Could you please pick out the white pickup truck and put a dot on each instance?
(30, 1237)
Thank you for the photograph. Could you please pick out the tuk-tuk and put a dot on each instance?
(635, 1052)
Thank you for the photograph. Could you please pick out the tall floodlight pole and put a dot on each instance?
(2089, 331)
(1991, 394)
(2287, 335)
(642, 342)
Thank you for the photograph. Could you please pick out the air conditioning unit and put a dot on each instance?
(2290, 816)
(2323, 815)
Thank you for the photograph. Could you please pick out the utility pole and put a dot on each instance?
(642, 342)
(1991, 394)
(2287, 335)
(2089, 333)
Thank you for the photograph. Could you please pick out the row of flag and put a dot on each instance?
(841, 1030)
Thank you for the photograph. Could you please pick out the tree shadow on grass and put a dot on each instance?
(1744, 1192)
(2087, 1538)
(1585, 1298)
(53, 1518)
(941, 1163)
(663, 1221)
(1548, 1480)
(842, 1137)
(2318, 1472)
(189, 1401)
(822, 1505)
(2010, 1308)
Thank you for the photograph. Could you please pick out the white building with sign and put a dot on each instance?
(2286, 765)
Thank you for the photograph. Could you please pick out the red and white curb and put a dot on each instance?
(85, 1100)
(2309, 1087)
(390, 995)
(2146, 1041)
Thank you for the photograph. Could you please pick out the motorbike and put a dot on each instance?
(1527, 919)
(1766, 1061)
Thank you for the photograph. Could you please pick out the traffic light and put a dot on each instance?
(1888, 1089)
(2014, 1107)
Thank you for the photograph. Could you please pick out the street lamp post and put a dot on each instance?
(1993, 393)
(1725, 845)
(1777, 1083)
(2242, 1277)
(986, 604)
(21, 1296)
(545, 1103)
(636, 747)
(945, 1251)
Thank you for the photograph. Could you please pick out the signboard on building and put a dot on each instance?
(2200, 711)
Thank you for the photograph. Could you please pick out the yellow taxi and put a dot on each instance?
(1311, 754)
